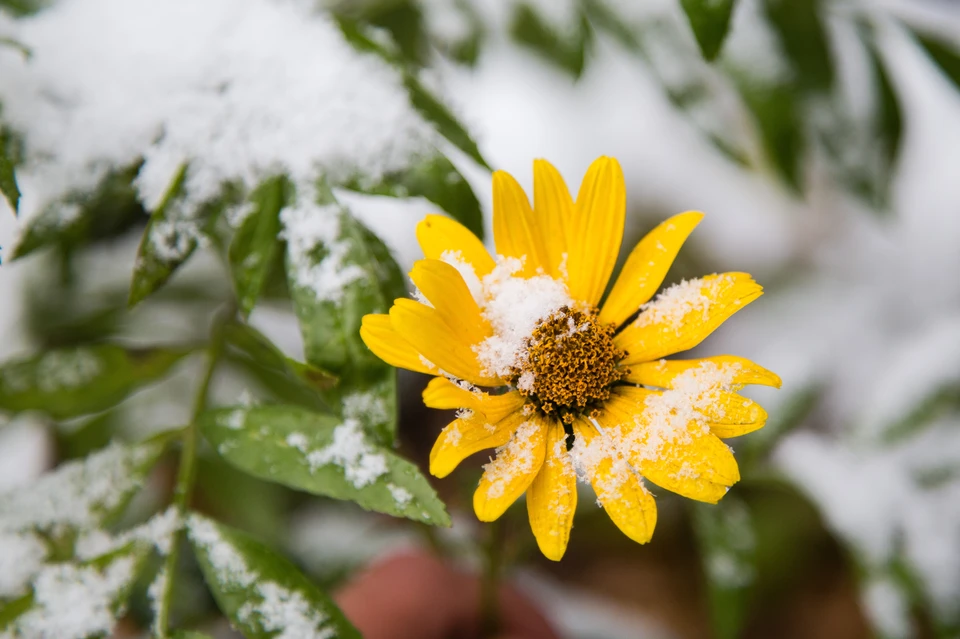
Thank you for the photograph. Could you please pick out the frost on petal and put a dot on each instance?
(514, 460)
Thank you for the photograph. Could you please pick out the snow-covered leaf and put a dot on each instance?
(436, 179)
(263, 594)
(800, 30)
(8, 179)
(727, 547)
(256, 241)
(76, 600)
(945, 55)
(75, 381)
(710, 21)
(324, 455)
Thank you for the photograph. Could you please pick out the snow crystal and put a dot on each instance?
(515, 306)
(365, 407)
(54, 371)
(157, 531)
(587, 457)
(235, 419)
(400, 494)
(308, 229)
(672, 306)
(21, 556)
(75, 602)
(155, 592)
(526, 381)
(467, 272)
(361, 463)
(453, 435)
(103, 88)
(511, 460)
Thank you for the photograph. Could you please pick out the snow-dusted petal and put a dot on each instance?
(467, 435)
(511, 471)
(444, 394)
(661, 373)
(552, 497)
(618, 487)
(441, 237)
(515, 230)
(685, 314)
(378, 334)
(425, 330)
(647, 266)
(732, 415)
(444, 288)
(553, 211)
(596, 230)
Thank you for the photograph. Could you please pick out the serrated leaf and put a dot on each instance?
(726, 538)
(8, 178)
(710, 21)
(262, 594)
(323, 455)
(436, 179)
(76, 381)
(334, 281)
(944, 54)
(799, 27)
(256, 241)
(290, 380)
(568, 51)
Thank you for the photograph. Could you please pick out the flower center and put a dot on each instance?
(571, 362)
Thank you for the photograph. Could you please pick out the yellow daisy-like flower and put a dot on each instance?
(573, 389)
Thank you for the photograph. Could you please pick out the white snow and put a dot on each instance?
(513, 460)
(21, 555)
(400, 494)
(349, 450)
(676, 303)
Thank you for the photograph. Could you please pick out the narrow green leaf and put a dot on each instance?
(710, 21)
(781, 128)
(568, 51)
(70, 382)
(799, 26)
(256, 241)
(728, 549)
(8, 178)
(945, 55)
(324, 455)
(447, 124)
(604, 18)
(262, 593)
(436, 179)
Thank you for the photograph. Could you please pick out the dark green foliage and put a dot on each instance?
(710, 21)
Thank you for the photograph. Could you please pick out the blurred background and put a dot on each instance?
(822, 140)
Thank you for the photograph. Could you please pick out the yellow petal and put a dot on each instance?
(424, 329)
(661, 373)
(596, 230)
(377, 333)
(467, 435)
(673, 452)
(619, 490)
(444, 394)
(441, 237)
(553, 212)
(684, 315)
(552, 497)
(515, 231)
(732, 415)
(646, 267)
(512, 471)
(444, 287)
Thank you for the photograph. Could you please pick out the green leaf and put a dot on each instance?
(8, 179)
(568, 51)
(725, 533)
(799, 27)
(710, 21)
(323, 455)
(604, 18)
(255, 243)
(189, 634)
(943, 53)
(262, 593)
(781, 128)
(367, 281)
(76, 381)
(436, 179)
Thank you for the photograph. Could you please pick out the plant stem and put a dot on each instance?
(186, 473)
(490, 581)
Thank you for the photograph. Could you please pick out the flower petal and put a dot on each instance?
(732, 415)
(660, 373)
(552, 497)
(515, 231)
(596, 230)
(553, 211)
(646, 267)
(378, 334)
(444, 394)
(619, 490)
(441, 237)
(467, 435)
(443, 285)
(512, 471)
(424, 329)
(684, 315)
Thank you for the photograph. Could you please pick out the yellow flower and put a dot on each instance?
(574, 390)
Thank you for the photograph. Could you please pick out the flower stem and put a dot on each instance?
(490, 581)
(186, 474)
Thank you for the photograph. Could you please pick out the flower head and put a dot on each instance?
(560, 386)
